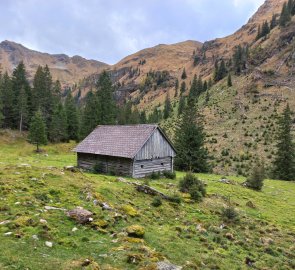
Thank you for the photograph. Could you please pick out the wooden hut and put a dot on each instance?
(130, 150)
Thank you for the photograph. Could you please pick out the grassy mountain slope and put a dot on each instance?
(69, 70)
(190, 235)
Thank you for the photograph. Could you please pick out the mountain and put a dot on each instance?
(68, 70)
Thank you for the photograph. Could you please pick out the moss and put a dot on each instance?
(129, 210)
(135, 231)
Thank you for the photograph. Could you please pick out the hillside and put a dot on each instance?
(69, 70)
(191, 235)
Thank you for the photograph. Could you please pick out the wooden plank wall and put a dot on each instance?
(156, 147)
(108, 164)
(142, 168)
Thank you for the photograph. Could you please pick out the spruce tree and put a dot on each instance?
(182, 88)
(8, 98)
(106, 101)
(284, 162)
(193, 89)
(176, 88)
(183, 75)
(285, 15)
(181, 105)
(37, 131)
(58, 128)
(189, 142)
(72, 118)
(1, 102)
(258, 33)
(143, 118)
(167, 107)
(229, 80)
(273, 22)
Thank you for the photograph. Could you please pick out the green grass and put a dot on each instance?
(171, 231)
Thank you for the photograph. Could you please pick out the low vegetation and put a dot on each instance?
(131, 229)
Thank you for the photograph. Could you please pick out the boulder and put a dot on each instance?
(135, 231)
(81, 215)
(164, 265)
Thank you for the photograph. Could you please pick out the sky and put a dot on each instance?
(108, 30)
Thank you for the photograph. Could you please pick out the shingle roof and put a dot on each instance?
(120, 141)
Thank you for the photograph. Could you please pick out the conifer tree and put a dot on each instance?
(182, 88)
(1, 101)
(176, 88)
(205, 86)
(167, 107)
(106, 101)
(37, 131)
(72, 118)
(229, 80)
(58, 128)
(193, 89)
(189, 142)
(183, 75)
(8, 101)
(285, 15)
(181, 105)
(258, 32)
(143, 118)
(273, 22)
(284, 162)
(265, 29)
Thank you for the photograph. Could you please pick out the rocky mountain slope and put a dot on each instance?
(68, 70)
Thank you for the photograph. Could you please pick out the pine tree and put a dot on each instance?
(106, 101)
(181, 105)
(143, 118)
(284, 162)
(1, 101)
(167, 107)
(205, 86)
(37, 131)
(258, 32)
(255, 180)
(183, 75)
(58, 128)
(229, 80)
(189, 142)
(265, 29)
(176, 88)
(72, 118)
(285, 15)
(193, 89)
(273, 22)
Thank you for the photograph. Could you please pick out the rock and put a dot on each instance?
(43, 221)
(17, 203)
(46, 155)
(74, 229)
(71, 168)
(48, 244)
(135, 231)
(54, 208)
(105, 206)
(134, 258)
(266, 240)
(24, 165)
(17, 173)
(249, 261)
(250, 204)
(229, 236)
(35, 237)
(121, 179)
(8, 233)
(81, 215)
(5, 222)
(34, 179)
(165, 265)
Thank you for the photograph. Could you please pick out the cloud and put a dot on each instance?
(110, 30)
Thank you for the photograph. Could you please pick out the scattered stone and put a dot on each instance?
(229, 236)
(71, 168)
(48, 244)
(17, 203)
(86, 262)
(81, 215)
(227, 181)
(74, 229)
(105, 206)
(54, 208)
(17, 173)
(164, 265)
(8, 233)
(249, 261)
(121, 179)
(135, 231)
(24, 165)
(43, 221)
(5, 222)
(266, 240)
(35, 237)
(46, 155)
(250, 204)
(34, 179)
(134, 258)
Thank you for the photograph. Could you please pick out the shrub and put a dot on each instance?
(98, 168)
(155, 175)
(229, 213)
(192, 185)
(255, 181)
(169, 174)
(175, 199)
(157, 201)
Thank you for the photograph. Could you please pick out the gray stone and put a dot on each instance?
(164, 265)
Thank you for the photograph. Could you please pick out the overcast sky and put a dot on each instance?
(108, 30)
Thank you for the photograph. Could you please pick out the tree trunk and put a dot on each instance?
(21, 123)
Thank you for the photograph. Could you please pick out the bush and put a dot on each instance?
(157, 201)
(169, 174)
(175, 199)
(98, 168)
(229, 213)
(155, 175)
(192, 185)
(255, 181)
